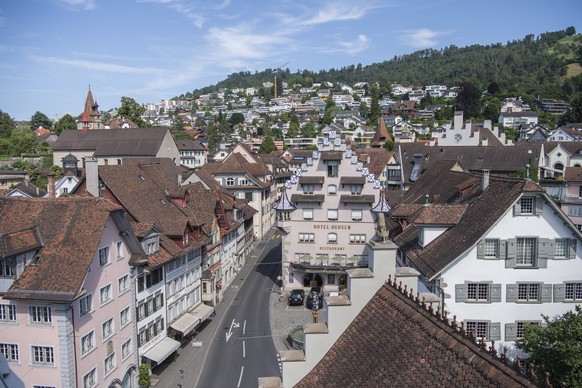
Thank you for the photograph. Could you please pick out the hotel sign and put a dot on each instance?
(332, 226)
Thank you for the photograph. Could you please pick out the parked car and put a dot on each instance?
(314, 299)
(296, 297)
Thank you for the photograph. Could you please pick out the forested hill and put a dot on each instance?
(530, 66)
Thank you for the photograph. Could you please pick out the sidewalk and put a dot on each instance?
(187, 366)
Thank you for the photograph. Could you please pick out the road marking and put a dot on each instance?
(242, 369)
(244, 349)
(244, 327)
(229, 334)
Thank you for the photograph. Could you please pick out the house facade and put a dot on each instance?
(193, 154)
(67, 305)
(498, 251)
(325, 212)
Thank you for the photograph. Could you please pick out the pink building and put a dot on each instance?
(571, 203)
(67, 305)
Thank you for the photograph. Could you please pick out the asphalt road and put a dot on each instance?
(242, 348)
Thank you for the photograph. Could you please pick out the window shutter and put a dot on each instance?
(539, 203)
(510, 258)
(481, 250)
(517, 208)
(502, 249)
(511, 331)
(550, 248)
(546, 290)
(559, 292)
(511, 293)
(544, 247)
(495, 292)
(494, 331)
(572, 244)
(460, 293)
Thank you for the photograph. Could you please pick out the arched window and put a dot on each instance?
(332, 237)
(332, 190)
(230, 181)
(558, 166)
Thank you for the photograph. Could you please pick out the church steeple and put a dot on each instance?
(91, 117)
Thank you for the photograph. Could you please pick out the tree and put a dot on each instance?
(131, 110)
(39, 119)
(557, 347)
(268, 145)
(144, 379)
(469, 99)
(22, 140)
(7, 124)
(308, 130)
(64, 123)
(236, 118)
(374, 106)
(574, 115)
(493, 88)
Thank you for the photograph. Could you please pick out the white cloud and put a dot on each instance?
(361, 43)
(194, 12)
(95, 66)
(240, 42)
(420, 38)
(86, 5)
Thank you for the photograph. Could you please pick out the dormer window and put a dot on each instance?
(529, 205)
(151, 244)
(230, 181)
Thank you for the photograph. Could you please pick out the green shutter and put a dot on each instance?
(559, 292)
(511, 331)
(494, 331)
(481, 250)
(511, 248)
(502, 249)
(572, 244)
(495, 292)
(539, 204)
(511, 293)
(546, 290)
(517, 208)
(460, 293)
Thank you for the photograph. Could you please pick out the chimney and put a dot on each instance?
(92, 176)
(51, 186)
(179, 179)
(485, 179)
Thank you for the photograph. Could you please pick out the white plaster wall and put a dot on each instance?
(469, 268)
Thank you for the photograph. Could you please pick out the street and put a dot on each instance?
(242, 348)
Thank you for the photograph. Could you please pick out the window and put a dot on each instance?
(10, 352)
(85, 304)
(516, 330)
(105, 294)
(119, 248)
(356, 189)
(123, 284)
(332, 237)
(477, 329)
(332, 190)
(230, 181)
(6, 269)
(103, 256)
(107, 329)
(332, 169)
(528, 292)
(90, 379)
(357, 238)
(142, 337)
(141, 311)
(525, 251)
(249, 196)
(332, 214)
(39, 315)
(109, 363)
(43, 355)
(308, 189)
(356, 215)
(478, 292)
(307, 214)
(7, 312)
(521, 328)
(529, 206)
(306, 237)
(124, 316)
(491, 248)
(560, 248)
(126, 349)
(573, 292)
(87, 343)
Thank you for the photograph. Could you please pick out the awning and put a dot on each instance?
(202, 312)
(162, 350)
(185, 324)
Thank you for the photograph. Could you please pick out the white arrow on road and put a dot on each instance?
(229, 334)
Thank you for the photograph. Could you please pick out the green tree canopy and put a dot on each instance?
(40, 119)
(469, 99)
(557, 347)
(7, 124)
(64, 123)
(268, 145)
(236, 118)
(131, 110)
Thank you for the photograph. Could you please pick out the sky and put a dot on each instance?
(52, 51)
